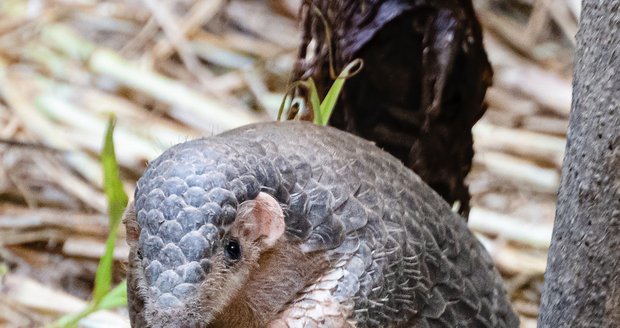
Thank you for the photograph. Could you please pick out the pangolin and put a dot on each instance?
(287, 224)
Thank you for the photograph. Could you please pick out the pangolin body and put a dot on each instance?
(365, 242)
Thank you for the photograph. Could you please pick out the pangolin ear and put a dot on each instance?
(260, 218)
(131, 224)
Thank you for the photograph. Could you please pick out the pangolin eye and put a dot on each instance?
(232, 250)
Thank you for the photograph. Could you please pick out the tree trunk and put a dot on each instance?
(422, 86)
(582, 282)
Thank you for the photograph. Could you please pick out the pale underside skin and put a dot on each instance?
(317, 307)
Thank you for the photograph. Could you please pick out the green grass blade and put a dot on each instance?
(117, 201)
(315, 102)
(288, 98)
(71, 320)
(286, 101)
(103, 297)
(328, 104)
(115, 297)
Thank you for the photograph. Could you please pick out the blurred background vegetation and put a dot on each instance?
(179, 69)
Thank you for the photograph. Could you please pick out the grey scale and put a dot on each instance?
(410, 261)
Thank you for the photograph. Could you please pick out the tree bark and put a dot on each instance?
(582, 282)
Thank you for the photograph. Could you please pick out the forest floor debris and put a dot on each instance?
(199, 67)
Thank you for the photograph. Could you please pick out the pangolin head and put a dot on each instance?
(202, 215)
